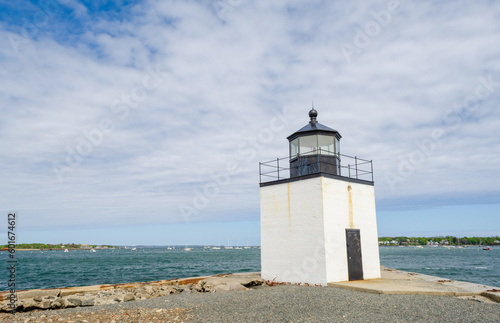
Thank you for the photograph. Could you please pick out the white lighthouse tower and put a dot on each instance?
(317, 208)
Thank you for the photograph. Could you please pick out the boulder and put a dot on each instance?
(58, 303)
(88, 302)
(175, 289)
(493, 294)
(145, 296)
(148, 289)
(230, 282)
(27, 305)
(198, 288)
(72, 302)
(44, 304)
(128, 297)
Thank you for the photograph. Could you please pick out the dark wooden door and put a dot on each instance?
(354, 262)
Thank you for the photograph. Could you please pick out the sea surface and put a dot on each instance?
(50, 269)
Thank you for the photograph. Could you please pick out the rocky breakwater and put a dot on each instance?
(44, 299)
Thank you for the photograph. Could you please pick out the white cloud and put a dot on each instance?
(221, 81)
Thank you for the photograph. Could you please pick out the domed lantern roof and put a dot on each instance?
(314, 139)
(314, 127)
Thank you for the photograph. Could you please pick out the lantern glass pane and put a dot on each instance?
(308, 145)
(326, 145)
(294, 148)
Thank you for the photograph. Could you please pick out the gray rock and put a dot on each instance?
(117, 299)
(252, 282)
(58, 303)
(176, 290)
(198, 288)
(128, 297)
(45, 304)
(5, 307)
(88, 302)
(72, 302)
(37, 298)
(27, 305)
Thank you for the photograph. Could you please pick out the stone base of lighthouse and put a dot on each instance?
(318, 230)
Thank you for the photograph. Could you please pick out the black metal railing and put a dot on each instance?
(318, 161)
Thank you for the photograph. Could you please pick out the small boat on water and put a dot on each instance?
(215, 248)
(92, 250)
(487, 248)
(187, 249)
(133, 249)
(65, 250)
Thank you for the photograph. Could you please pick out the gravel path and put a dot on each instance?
(277, 304)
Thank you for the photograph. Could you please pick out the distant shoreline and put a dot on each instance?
(60, 249)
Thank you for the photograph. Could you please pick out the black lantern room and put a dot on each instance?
(314, 149)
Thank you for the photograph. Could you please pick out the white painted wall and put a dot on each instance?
(336, 210)
(303, 230)
(292, 234)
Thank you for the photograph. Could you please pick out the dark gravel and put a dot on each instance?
(278, 304)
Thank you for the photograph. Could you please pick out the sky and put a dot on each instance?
(144, 122)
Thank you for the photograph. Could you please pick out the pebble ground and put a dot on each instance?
(277, 304)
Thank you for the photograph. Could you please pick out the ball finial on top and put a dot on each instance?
(313, 114)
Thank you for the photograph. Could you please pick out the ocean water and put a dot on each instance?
(50, 269)
(470, 264)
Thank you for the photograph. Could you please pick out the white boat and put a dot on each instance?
(92, 250)
(187, 249)
(133, 249)
(228, 247)
(246, 247)
(65, 250)
(239, 248)
(215, 248)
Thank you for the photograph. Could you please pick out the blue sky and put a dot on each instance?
(143, 122)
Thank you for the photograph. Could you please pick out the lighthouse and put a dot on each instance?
(317, 209)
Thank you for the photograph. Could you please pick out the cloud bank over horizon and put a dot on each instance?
(133, 113)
